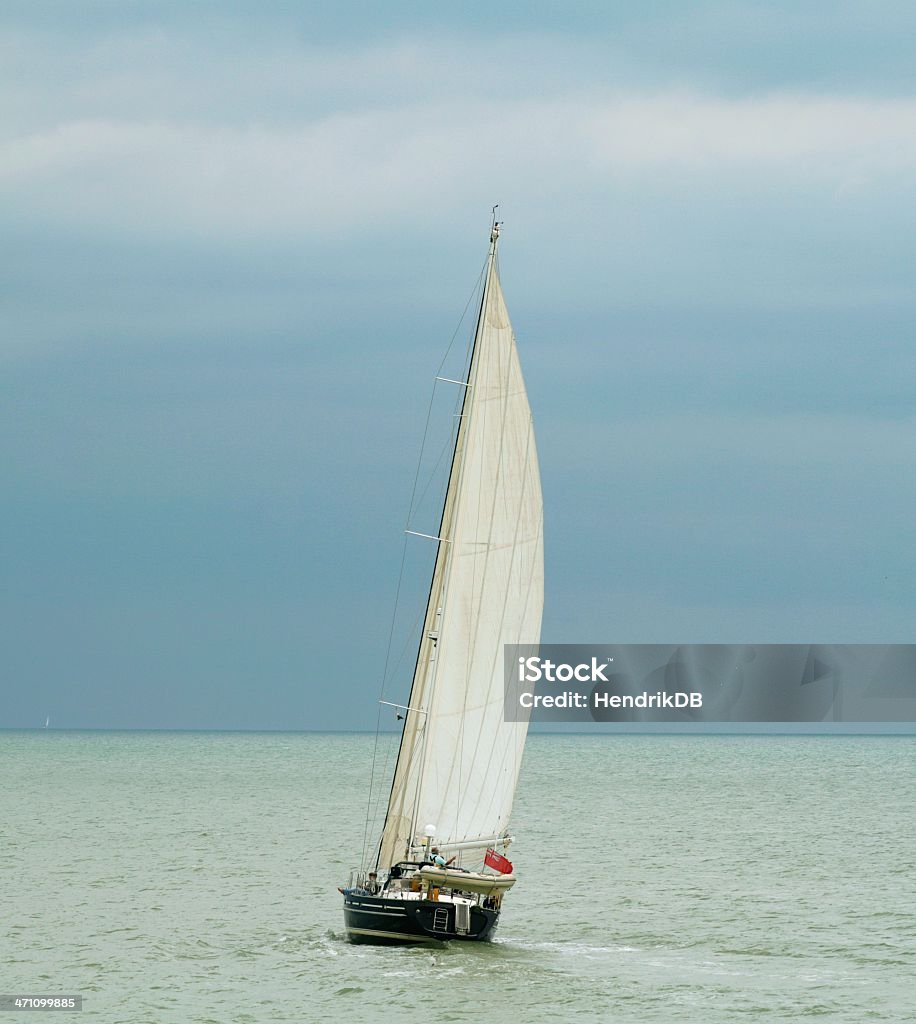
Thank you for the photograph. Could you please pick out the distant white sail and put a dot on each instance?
(459, 760)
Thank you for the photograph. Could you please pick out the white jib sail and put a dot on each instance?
(459, 759)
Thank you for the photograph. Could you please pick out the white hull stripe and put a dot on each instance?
(379, 910)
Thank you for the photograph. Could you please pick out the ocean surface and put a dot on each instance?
(179, 877)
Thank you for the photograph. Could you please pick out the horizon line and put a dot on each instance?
(897, 729)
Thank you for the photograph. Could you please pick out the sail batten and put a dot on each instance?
(459, 759)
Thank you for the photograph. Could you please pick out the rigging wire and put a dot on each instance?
(411, 508)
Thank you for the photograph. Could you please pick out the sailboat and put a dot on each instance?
(441, 871)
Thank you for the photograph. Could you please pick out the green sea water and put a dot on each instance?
(183, 877)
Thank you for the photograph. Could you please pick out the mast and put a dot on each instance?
(439, 567)
(454, 474)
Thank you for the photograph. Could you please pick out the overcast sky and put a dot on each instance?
(237, 238)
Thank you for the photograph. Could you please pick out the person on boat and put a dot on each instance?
(439, 860)
(371, 888)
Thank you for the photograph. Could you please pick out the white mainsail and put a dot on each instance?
(459, 759)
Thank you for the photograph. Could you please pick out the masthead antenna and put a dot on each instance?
(494, 226)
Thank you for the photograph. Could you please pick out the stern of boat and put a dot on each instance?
(410, 909)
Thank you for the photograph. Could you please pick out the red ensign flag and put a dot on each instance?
(498, 862)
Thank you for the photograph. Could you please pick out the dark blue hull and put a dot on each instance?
(377, 920)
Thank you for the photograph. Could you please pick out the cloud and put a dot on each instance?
(372, 167)
(209, 130)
